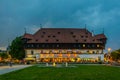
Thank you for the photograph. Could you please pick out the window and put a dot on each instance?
(32, 45)
(98, 45)
(76, 40)
(49, 36)
(74, 36)
(43, 45)
(85, 40)
(86, 33)
(88, 46)
(53, 36)
(47, 45)
(58, 32)
(42, 36)
(36, 40)
(43, 32)
(46, 40)
(71, 32)
(93, 39)
(86, 36)
(37, 45)
(57, 40)
(83, 45)
(74, 45)
(28, 45)
(82, 36)
(79, 45)
(93, 45)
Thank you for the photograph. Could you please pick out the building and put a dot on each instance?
(64, 45)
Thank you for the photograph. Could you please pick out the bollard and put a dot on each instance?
(66, 64)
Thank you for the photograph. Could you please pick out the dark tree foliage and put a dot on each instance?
(115, 55)
(17, 49)
(4, 55)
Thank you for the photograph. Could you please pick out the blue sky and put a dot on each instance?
(15, 15)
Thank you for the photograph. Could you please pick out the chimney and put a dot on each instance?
(92, 32)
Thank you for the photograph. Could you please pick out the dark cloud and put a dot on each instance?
(15, 15)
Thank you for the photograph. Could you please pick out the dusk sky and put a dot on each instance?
(15, 15)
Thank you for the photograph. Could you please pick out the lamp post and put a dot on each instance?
(109, 53)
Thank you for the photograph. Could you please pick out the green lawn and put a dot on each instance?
(81, 72)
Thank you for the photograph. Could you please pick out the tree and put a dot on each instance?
(115, 55)
(4, 55)
(17, 48)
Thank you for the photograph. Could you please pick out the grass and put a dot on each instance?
(81, 72)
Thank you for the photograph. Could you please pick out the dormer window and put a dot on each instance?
(71, 32)
(58, 32)
(86, 33)
(85, 40)
(54, 36)
(42, 36)
(82, 36)
(48, 36)
(74, 36)
(46, 40)
(43, 32)
(93, 39)
(57, 40)
(76, 40)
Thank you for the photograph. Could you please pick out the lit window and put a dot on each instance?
(98, 45)
(83, 45)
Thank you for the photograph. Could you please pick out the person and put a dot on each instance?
(10, 64)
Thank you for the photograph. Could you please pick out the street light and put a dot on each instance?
(109, 54)
(109, 49)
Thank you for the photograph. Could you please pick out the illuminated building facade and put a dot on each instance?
(64, 45)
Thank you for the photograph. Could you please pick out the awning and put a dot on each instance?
(29, 58)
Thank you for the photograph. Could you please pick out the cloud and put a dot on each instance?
(97, 14)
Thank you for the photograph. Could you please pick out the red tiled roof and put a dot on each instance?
(100, 36)
(63, 35)
(28, 36)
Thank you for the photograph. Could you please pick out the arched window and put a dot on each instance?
(32, 52)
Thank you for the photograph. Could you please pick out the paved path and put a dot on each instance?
(7, 69)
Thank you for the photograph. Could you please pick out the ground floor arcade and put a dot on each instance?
(64, 55)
